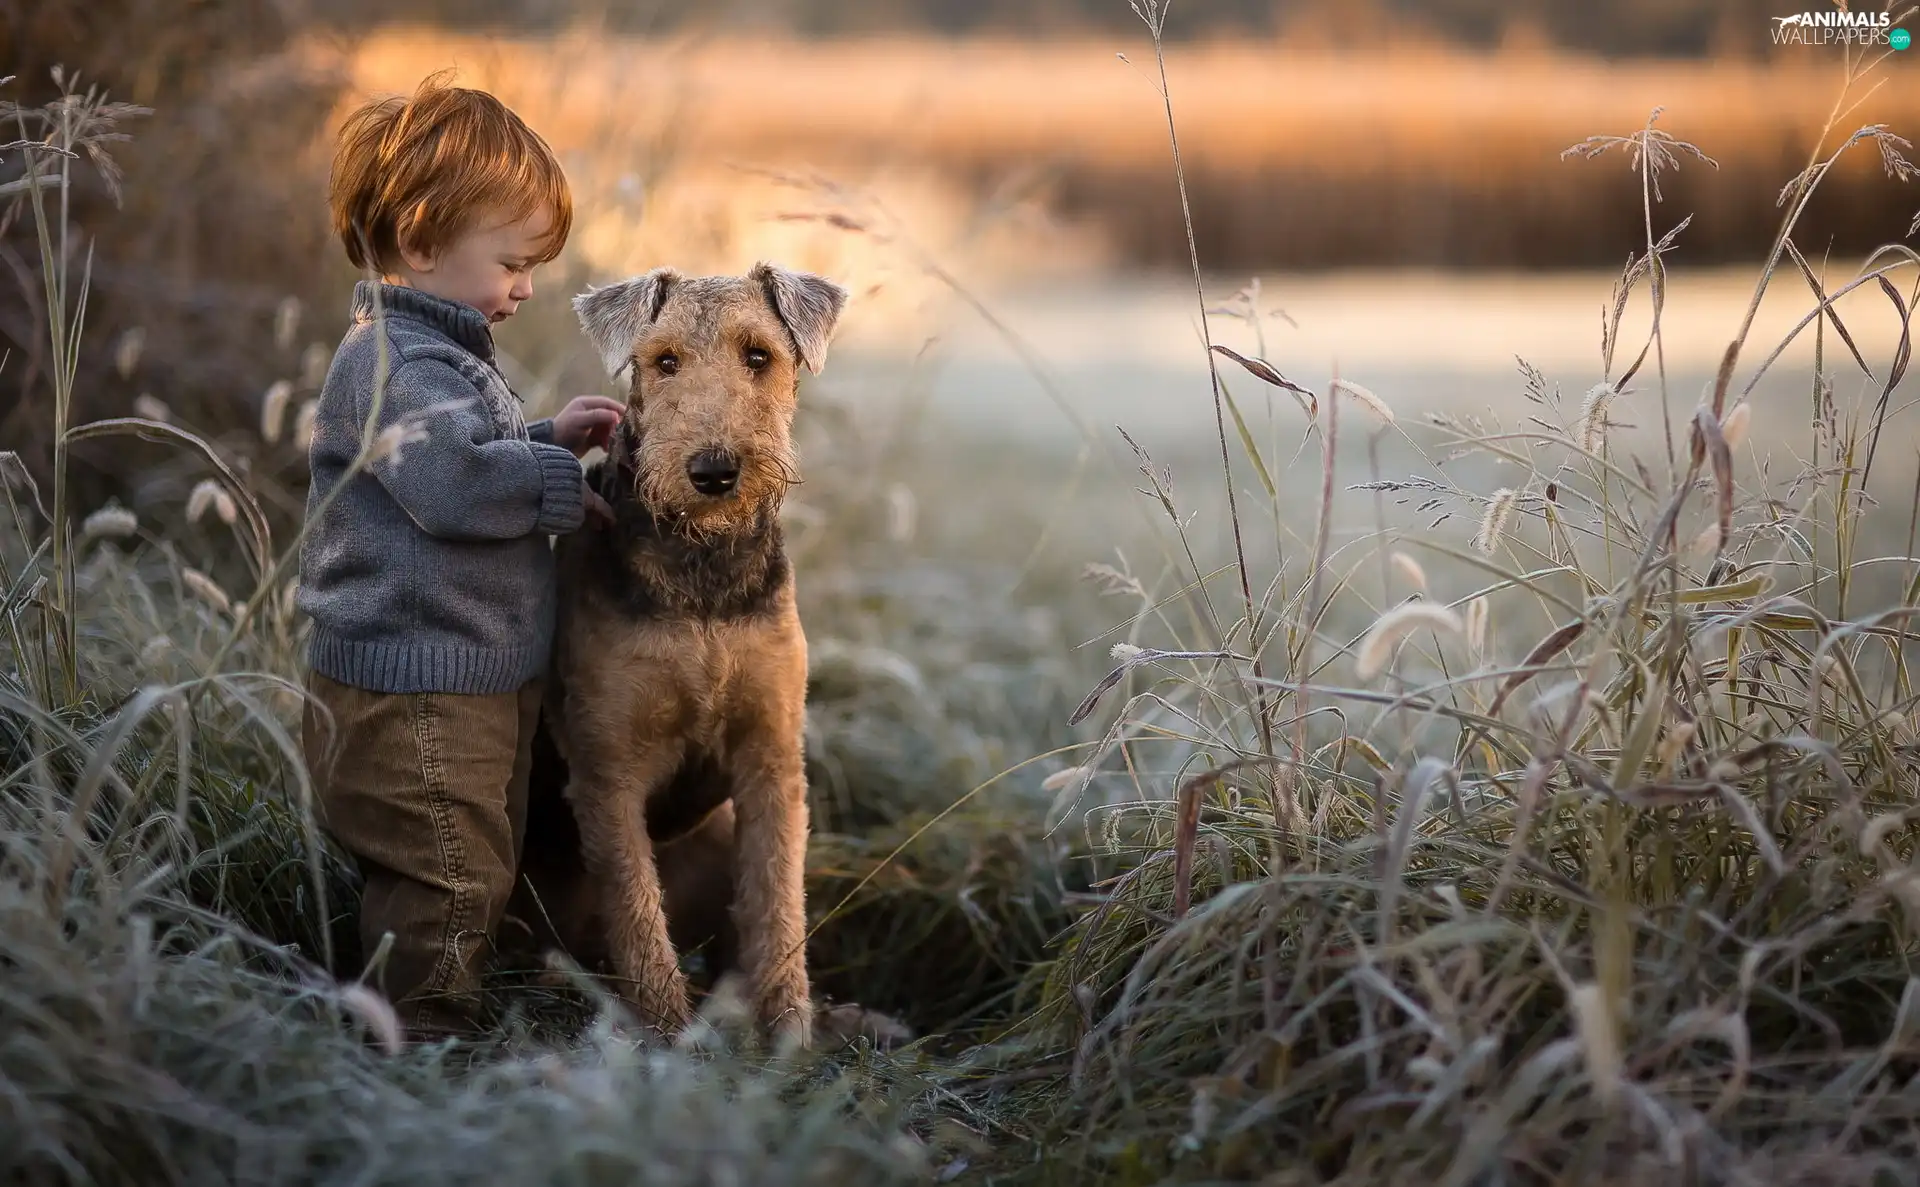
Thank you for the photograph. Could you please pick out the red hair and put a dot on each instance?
(419, 172)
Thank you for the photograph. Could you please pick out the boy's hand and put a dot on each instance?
(599, 513)
(586, 423)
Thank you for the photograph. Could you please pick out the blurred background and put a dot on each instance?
(1377, 190)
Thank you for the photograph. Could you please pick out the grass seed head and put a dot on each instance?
(393, 440)
(1395, 625)
(1675, 744)
(1479, 614)
(209, 495)
(1901, 725)
(1593, 416)
(1065, 778)
(112, 522)
(1373, 403)
(207, 590)
(1411, 570)
(1734, 428)
(1493, 525)
(313, 365)
(273, 410)
(373, 1012)
(303, 425)
(286, 322)
(126, 352)
(155, 650)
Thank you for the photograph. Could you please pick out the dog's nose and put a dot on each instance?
(713, 472)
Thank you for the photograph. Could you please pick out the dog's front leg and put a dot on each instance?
(610, 799)
(770, 910)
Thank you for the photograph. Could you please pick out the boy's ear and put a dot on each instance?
(809, 305)
(415, 259)
(613, 316)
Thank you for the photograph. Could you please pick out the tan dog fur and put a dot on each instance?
(678, 692)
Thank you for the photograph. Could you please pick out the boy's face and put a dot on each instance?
(489, 267)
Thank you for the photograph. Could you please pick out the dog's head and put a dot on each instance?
(712, 367)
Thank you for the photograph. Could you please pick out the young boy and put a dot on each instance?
(429, 576)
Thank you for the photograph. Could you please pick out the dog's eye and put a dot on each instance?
(668, 363)
(757, 358)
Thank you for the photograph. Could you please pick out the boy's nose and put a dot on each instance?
(522, 289)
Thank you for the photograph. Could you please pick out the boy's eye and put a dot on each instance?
(757, 358)
(669, 363)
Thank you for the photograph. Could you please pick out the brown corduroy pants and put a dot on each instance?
(428, 793)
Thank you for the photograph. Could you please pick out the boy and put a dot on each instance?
(429, 576)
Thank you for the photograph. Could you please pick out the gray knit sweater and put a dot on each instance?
(431, 571)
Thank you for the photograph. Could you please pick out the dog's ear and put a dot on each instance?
(808, 304)
(612, 317)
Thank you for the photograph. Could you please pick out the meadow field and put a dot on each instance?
(1472, 745)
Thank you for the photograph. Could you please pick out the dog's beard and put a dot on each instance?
(666, 491)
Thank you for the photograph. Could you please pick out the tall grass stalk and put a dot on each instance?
(1154, 14)
(48, 160)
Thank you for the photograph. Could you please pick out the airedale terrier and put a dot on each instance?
(677, 697)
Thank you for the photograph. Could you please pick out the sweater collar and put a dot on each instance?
(459, 321)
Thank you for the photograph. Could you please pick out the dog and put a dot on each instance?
(675, 708)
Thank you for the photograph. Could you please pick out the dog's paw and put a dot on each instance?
(661, 1000)
(635, 1035)
(786, 1009)
(844, 1024)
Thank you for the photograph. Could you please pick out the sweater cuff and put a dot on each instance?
(541, 431)
(563, 503)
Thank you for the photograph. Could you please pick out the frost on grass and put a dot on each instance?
(137, 1040)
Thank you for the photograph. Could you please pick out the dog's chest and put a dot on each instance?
(705, 673)
(685, 676)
